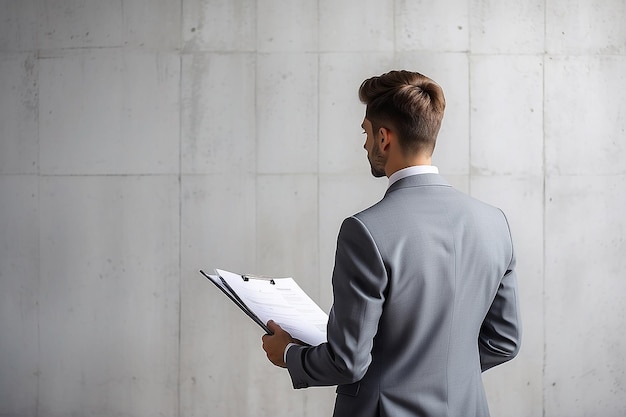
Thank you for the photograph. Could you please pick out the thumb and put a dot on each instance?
(273, 326)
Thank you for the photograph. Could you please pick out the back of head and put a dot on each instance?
(408, 103)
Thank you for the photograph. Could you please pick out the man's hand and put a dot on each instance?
(274, 344)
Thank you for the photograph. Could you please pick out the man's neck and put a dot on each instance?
(400, 162)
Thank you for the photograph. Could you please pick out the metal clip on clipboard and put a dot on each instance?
(247, 277)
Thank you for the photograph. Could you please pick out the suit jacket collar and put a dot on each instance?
(419, 180)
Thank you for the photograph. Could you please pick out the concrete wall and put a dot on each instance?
(143, 140)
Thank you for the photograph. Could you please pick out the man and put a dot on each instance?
(424, 286)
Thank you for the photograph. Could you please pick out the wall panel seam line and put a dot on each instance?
(180, 212)
(38, 386)
(317, 176)
(543, 248)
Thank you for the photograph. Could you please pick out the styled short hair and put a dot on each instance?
(408, 103)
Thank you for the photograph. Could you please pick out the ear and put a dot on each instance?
(385, 138)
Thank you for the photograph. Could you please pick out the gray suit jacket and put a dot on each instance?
(425, 298)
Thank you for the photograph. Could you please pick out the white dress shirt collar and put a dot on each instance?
(413, 170)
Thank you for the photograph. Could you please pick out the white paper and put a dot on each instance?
(284, 302)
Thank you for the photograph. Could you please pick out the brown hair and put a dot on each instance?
(408, 103)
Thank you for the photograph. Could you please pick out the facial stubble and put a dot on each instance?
(377, 161)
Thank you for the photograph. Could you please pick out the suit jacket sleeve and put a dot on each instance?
(359, 282)
(500, 334)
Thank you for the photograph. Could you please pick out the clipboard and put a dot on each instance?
(280, 299)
